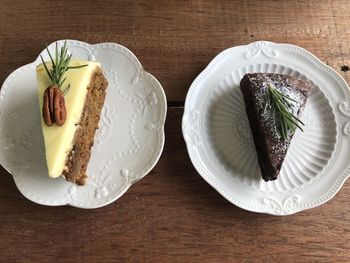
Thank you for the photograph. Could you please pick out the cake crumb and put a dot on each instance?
(344, 68)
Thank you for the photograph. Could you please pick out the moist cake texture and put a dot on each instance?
(78, 158)
(270, 147)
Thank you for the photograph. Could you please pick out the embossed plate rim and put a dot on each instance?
(266, 52)
(159, 143)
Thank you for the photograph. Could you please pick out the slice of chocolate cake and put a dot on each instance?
(274, 104)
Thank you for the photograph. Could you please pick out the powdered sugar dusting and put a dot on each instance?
(261, 83)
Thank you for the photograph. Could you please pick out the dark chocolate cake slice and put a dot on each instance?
(272, 139)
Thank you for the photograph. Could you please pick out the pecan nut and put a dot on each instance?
(54, 109)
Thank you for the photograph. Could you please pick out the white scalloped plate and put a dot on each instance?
(219, 140)
(128, 143)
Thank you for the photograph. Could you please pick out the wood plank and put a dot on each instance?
(172, 215)
(174, 41)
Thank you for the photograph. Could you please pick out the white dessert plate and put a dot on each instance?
(219, 140)
(127, 145)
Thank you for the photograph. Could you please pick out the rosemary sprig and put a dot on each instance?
(284, 119)
(60, 65)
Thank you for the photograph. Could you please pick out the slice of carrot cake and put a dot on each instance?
(71, 95)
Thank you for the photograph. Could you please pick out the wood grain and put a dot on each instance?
(174, 40)
(172, 215)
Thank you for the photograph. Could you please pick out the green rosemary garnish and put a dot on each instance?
(60, 65)
(284, 119)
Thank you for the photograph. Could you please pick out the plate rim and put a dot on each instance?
(339, 179)
(163, 116)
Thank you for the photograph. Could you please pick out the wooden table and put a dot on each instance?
(172, 215)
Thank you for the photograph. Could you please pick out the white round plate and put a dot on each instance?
(219, 140)
(127, 145)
